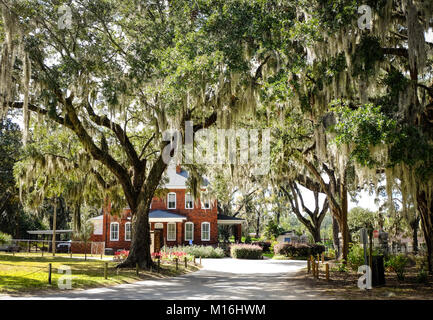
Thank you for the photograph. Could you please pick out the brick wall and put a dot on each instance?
(197, 215)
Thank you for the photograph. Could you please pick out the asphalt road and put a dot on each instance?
(223, 279)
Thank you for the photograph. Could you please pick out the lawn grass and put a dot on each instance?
(25, 272)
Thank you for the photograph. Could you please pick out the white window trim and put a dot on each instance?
(189, 194)
(175, 233)
(202, 224)
(202, 204)
(189, 223)
(168, 201)
(126, 224)
(111, 231)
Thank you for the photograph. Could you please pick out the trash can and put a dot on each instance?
(378, 271)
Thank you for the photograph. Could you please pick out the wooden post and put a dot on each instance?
(327, 271)
(50, 266)
(177, 264)
(105, 270)
(195, 261)
(323, 257)
(313, 265)
(317, 270)
(308, 266)
(136, 269)
(70, 252)
(186, 263)
(159, 263)
(200, 260)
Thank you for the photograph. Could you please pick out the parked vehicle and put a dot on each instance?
(63, 247)
(10, 248)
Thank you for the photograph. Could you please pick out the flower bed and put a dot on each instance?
(197, 251)
(246, 251)
(121, 255)
(172, 256)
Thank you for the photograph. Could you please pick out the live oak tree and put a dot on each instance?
(120, 73)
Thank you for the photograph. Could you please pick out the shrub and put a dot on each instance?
(5, 238)
(248, 239)
(355, 257)
(197, 251)
(246, 251)
(265, 245)
(398, 264)
(298, 249)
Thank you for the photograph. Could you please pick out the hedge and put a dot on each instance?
(265, 245)
(246, 251)
(298, 249)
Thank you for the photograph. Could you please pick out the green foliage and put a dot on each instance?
(246, 251)
(272, 230)
(355, 258)
(296, 250)
(398, 264)
(5, 238)
(363, 128)
(248, 239)
(197, 251)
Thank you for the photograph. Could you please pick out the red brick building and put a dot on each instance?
(177, 219)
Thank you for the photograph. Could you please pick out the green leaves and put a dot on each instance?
(363, 128)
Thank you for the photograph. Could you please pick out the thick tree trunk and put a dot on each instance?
(315, 232)
(415, 227)
(336, 240)
(425, 207)
(140, 244)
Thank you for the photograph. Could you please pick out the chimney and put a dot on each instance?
(178, 169)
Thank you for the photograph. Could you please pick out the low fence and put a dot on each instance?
(45, 246)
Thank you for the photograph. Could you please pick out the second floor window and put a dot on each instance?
(189, 203)
(171, 201)
(205, 204)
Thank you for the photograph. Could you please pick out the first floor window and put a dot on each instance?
(114, 231)
(189, 231)
(189, 203)
(205, 231)
(128, 231)
(171, 232)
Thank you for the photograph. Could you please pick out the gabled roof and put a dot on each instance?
(178, 180)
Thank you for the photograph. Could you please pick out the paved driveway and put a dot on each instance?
(219, 279)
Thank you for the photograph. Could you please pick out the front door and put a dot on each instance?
(158, 237)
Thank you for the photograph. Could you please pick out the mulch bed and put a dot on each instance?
(344, 285)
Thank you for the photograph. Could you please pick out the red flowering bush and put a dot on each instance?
(171, 256)
(121, 255)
